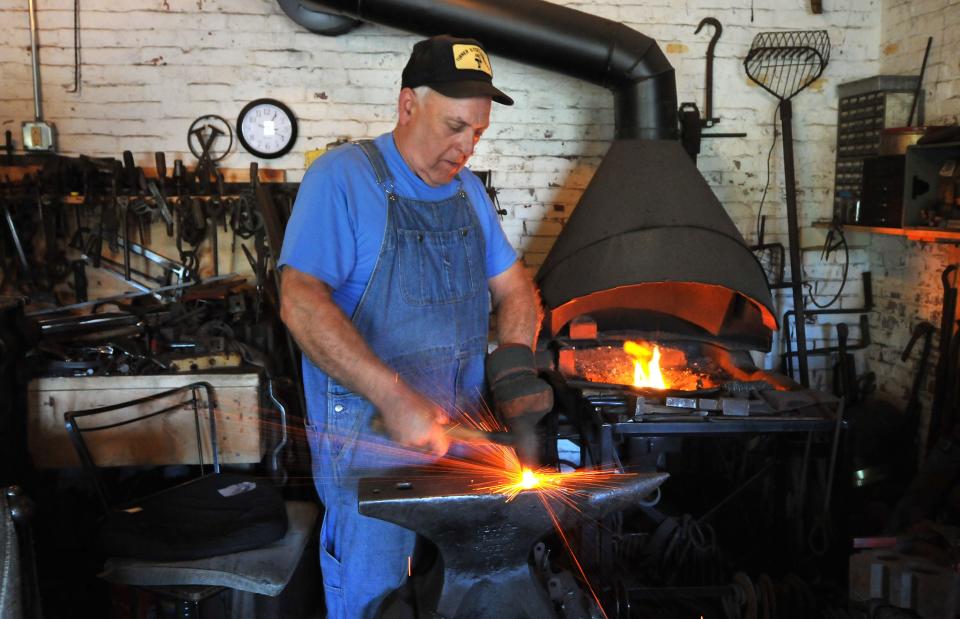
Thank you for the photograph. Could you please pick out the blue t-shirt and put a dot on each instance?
(340, 214)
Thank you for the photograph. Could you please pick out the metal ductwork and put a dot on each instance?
(552, 37)
(314, 19)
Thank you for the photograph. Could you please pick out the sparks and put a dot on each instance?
(528, 479)
(495, 469)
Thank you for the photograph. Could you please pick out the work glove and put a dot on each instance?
(520, 396)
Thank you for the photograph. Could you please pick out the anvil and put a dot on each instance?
(484, 540)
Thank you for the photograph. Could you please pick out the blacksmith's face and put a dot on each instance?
(441, 132)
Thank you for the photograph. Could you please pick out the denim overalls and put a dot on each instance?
(425, 313)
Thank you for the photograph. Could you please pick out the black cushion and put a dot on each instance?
(212, 515)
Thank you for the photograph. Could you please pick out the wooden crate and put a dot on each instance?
(165, 439)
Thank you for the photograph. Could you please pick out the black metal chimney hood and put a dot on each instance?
(648, 246)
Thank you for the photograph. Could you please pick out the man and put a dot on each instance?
(391, 260)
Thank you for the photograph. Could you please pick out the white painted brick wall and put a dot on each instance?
(149, 68)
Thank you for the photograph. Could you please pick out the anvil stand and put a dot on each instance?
(485, 541)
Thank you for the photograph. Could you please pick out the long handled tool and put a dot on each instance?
(923, 330)
(783, 64)
(462, 434)
(941, 389)
(708, 119)
(472, 435)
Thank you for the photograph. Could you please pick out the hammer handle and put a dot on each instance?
(472, 435)
(459, 433)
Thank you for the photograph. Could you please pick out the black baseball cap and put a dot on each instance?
(454, 67)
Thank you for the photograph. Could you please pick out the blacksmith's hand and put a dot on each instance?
(415, 421)
(520, 396)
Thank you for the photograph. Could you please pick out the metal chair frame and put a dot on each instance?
(76, 432)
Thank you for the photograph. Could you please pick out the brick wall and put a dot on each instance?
(907, 273)
(151, 67)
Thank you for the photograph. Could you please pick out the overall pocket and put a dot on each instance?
(346, 414)
(332, 574)
(444, 266)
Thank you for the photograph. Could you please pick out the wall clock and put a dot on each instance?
(267, 128)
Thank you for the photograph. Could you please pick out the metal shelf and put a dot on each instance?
(913, 233)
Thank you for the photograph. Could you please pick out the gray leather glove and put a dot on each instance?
(520, 396)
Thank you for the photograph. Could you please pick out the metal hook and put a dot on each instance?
(712, 21)
(945, 276)
(709, 120)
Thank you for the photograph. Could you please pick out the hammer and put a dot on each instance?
(462, 434)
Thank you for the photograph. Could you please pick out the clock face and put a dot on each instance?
(267, 128)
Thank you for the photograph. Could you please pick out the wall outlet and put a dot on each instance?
(38, 135)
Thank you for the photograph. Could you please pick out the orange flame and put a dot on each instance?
(646, 365)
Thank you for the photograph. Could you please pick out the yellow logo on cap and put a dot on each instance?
(471, 57)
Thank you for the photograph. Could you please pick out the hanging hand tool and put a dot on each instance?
(845, 368)
(941, 387)
(192, 229)
(125, 227)
(912, 412)
(951, 399)
(924, 330)
(158, 190)
(215, 208)
(178, 180)
(159, 200)
(708, 119)
(17, 245)
(55, 266)
(785, 63)
(259, 268)
(142, 209)
(690, 121)
(130, 172)
(916, 94)
(8, 147)
(160, 161)
(76, 48)
(79, 280)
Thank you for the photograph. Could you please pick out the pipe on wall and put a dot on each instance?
(552, 37)
(315, 20)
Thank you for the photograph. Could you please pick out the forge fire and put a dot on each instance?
(647, 365)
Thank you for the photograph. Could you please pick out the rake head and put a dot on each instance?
(784, 63)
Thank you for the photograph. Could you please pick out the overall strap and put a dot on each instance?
(384, 178)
